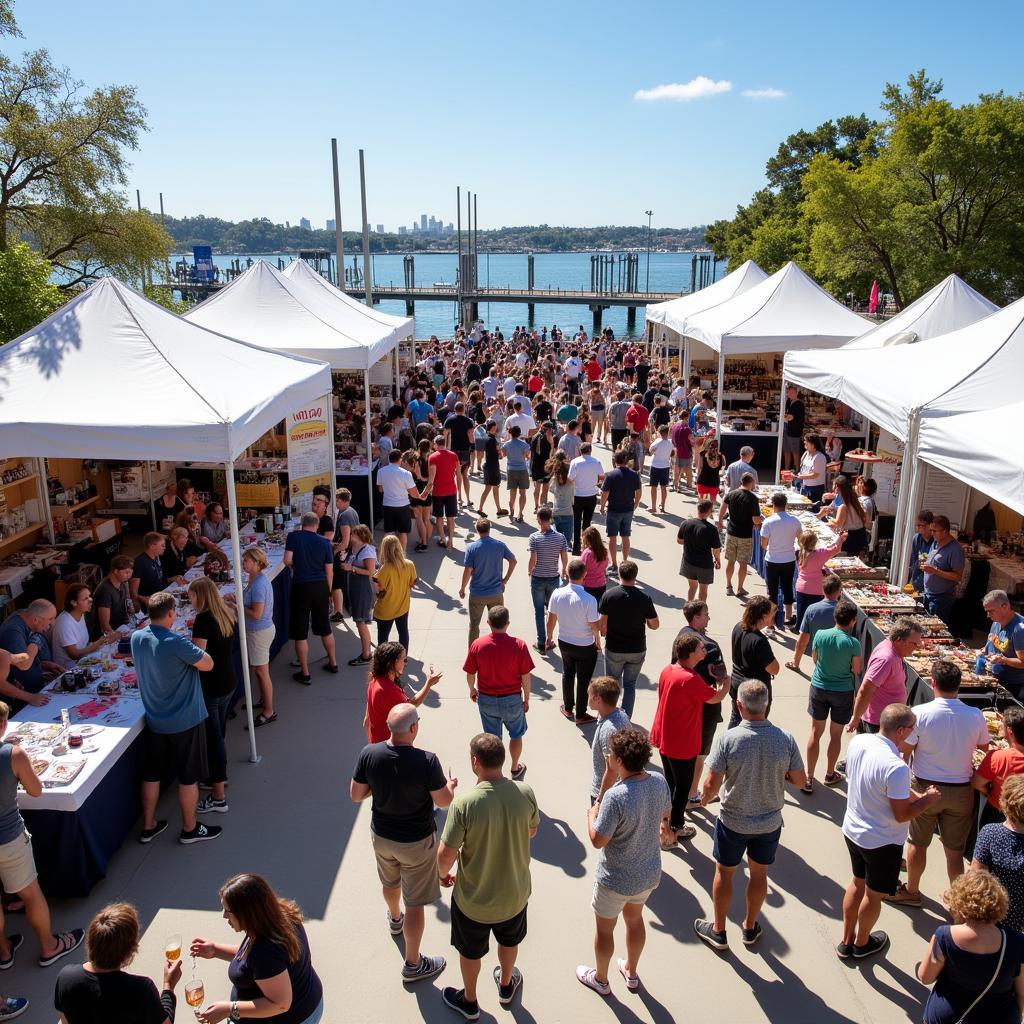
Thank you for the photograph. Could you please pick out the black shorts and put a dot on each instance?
(838, 703)
(310, 601)
(471, 938)
(448, 506)
(708, 728)
(397, 519)
(492, 476)
(879, 869)
(183, 753)
(463, 458)
(338, 578)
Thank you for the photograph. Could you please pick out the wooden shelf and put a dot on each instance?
(72, 509)
(22, 480)
(5, 541)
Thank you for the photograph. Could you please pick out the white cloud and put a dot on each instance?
(696, 88)
(765, 94)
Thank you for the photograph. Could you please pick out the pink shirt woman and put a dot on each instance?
(596, 571)
(809, 577)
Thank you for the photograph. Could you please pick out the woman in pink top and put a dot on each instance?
(810, 560)
(595, 558)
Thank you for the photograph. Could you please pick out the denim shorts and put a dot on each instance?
(619, 524)
(506, 710)
(729, 846)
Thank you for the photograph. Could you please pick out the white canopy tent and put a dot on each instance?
(174, 391)
(970, 431)
(673, 314)
(304, 315)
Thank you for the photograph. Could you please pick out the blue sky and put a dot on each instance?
(532, 105)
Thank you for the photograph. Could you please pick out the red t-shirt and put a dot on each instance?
(676, 728)
(997, 767)
(447, 463)
(534, 384)
(381, 696)
(637, 417)
(499, 661)
(593, 369)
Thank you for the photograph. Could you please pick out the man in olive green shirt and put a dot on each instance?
(488, 831)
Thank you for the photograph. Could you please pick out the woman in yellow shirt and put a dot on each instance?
(395, 579)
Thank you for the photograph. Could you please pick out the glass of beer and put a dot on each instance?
(172, 948)
(194, 993)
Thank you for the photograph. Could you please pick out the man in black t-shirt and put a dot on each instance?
(459, 428)
(626, 614)
(710, 669)
(321, 499)
(702, 547)
(621, 491)
(744, 514)
(793, 438)
(406, 784)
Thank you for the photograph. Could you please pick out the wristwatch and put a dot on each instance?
(234, 1015)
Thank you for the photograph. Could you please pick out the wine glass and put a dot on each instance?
(195, 993)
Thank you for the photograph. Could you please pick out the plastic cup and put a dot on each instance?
(172, 948)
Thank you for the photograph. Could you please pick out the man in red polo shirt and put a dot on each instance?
(637, 417)
(498, 670)
(443, 469)
(593, 369)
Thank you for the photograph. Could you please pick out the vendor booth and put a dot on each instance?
(750, 331)
(113, 376)
(300, 313)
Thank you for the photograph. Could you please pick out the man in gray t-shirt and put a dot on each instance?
(603, 699)
(754, 761)
(628, 827)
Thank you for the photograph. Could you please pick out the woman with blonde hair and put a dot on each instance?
(258, 606)
(214, 632)
(361, 565)
(395, 578)
(181, 552)
(810, 561)
(976, 966)
(270, 970)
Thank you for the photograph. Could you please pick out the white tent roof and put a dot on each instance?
(785, 311)
(886, 384)
(112, 375)
(971, 430)
(267, 309)
(952, 303)
(673, 314)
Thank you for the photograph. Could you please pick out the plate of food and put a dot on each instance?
(87, 730)
(40, 764)
(64, 773)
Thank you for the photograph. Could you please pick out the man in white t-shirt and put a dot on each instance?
(880, 803)
(586, 473)
(579, 640)
(573, 369)
(661, 466)
(948, 732)
(778, 538)
(397, 485)
(523, 420)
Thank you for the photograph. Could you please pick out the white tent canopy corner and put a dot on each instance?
(673, 313)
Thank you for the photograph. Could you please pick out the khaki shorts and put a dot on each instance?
(257, 645)
(608, 903)
(17, 865)
(738, 549)
(954, 815)
(413, 866)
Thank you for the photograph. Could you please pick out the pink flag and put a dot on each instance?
(873, 301)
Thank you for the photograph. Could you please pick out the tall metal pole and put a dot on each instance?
(167, 262)
(369, 443)
(339, 241)
(366, 245)
(236, 565)
(476, 245)
(458, 273)
(650, 213)
(469, 238)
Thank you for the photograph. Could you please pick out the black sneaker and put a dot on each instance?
(844, 950)
(301, 677)
(877, 942)
(147, 835)
(519, 773)
(333, 669)
(751, 935)
(706, 933)
(506, 993)
(199, 834)
(456, 999)
(428, 967)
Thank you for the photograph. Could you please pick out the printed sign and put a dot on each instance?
(310, 452)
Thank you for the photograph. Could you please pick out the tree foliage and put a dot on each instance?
(27, 295)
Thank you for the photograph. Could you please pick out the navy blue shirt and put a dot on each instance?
(820, 615)
(311, 554)
(150, 574)
(15, 636)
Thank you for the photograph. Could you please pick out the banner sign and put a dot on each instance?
(310, 452)
(202, 256)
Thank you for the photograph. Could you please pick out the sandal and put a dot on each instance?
(261, 720)
(67, 942)
(14, 905)
(833, 779)
(793, 667)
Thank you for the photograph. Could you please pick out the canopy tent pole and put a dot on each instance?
(369, 445)
(236, 558)
(333, 470)
(685, 366)
(394, 370)
(149, 488)
(904, 501)
(43, 490)
(721, 389)
(782, 430)
(899, 562)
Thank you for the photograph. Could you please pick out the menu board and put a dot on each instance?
(887, 474)
(310, 451)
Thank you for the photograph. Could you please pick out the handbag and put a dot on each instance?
(992, 980)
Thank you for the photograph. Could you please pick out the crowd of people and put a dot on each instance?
(543, 404)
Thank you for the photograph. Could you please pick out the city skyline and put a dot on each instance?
(686, 135)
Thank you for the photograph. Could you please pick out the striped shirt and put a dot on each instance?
(548, 548)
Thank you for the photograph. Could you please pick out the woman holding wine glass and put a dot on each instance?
(270, 970)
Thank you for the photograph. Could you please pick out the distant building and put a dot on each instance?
(401, 229)
(380, 229)
(423, 222)
(304, 223)
(331, 224)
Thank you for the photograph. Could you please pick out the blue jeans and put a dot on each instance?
(316, 1016)
(506, 710)
(624, 668)
(563, 524)
(541, 589)
(216, 723)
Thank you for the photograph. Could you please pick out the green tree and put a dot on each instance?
(27, 294)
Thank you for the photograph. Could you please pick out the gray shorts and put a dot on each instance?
(693, 572)
(792, 444)
(518, 480)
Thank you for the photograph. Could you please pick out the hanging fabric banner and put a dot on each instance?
(310, 453)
